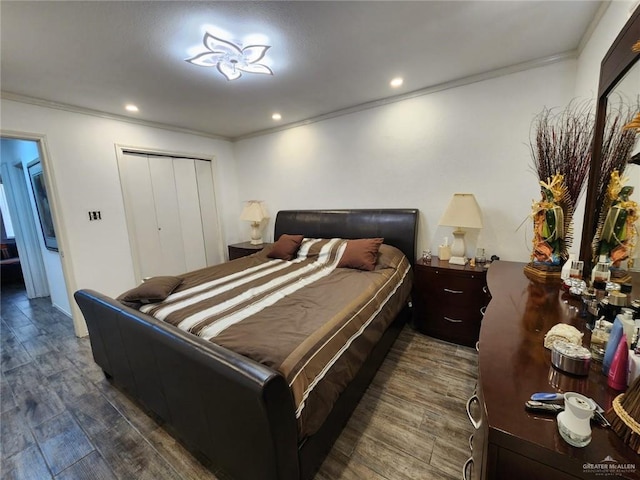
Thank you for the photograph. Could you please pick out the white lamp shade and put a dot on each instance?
(254, 211)
(463, 211)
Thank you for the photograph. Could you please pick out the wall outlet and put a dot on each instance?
(95, 215)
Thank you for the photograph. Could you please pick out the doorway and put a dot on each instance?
(41, 267)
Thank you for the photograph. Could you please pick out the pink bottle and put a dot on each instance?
(617, 378)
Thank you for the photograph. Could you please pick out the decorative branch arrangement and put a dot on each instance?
(618, 233)
(618, 142)
(561, 145)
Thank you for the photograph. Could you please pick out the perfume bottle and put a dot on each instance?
(601, 271)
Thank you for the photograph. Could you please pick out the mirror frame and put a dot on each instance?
(616, 63)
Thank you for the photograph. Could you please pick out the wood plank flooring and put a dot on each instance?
(61, 419)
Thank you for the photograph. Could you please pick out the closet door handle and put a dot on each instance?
(452, 320)
(474, 422)
(466, 468)
(448, 290)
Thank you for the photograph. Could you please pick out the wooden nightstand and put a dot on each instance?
(449, 300)
(243, 249)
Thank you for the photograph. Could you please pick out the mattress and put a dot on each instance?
(305, 318)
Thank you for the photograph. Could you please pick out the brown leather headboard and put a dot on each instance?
(398, 227)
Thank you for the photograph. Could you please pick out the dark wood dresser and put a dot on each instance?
(509, 441)
(449, 300)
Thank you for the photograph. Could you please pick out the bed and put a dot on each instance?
(241, 414)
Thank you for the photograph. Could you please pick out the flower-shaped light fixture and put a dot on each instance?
(230, 59)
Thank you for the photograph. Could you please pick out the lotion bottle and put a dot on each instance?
(612, 344)
(617, 378)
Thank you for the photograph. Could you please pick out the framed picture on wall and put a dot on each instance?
(43, 206)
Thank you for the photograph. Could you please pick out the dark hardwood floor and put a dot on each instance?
(60, 418)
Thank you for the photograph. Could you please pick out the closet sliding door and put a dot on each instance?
(171, 213)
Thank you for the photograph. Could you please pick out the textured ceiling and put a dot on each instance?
(326, 56)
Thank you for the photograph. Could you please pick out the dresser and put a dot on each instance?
(510, 442)
(449, 300)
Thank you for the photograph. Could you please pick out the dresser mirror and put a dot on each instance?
(627, 92)
(619, 79)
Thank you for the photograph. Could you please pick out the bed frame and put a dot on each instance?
(236, 412)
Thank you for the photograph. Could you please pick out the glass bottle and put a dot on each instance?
(601, 270)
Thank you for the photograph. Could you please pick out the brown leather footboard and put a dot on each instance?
(238, 413)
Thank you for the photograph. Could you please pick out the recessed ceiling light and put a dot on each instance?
(276, 116)
(131, 108)
(396, 82)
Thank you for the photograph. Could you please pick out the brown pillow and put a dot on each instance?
(154, 289)
(361, 254)
(388, 257)
(286, 247)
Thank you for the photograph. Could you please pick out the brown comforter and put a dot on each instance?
(307, 319)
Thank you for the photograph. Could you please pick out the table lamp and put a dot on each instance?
(255, 212)
(462, 212)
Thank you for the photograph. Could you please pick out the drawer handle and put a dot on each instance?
(452, 320)
(483, 310)
(478, 346)
(474, 422)
(471, 443)
(465, 468)
(448, 290)
(485, 289)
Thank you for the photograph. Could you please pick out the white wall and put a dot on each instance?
(83, 166)
(417, 153)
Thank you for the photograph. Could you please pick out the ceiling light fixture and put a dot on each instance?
(276, 116)
(230, 59)
(131, 108)
(396, 82)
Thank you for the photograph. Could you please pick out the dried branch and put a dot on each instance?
(561, 142)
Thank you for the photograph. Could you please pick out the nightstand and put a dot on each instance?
(449, 300)
(243, 249)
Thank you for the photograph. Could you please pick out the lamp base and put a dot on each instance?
(458, 247)
(256, 234)
(458, 261)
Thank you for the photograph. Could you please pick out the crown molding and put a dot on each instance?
(480, 77)
(16, 97)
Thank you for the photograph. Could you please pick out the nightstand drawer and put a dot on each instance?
(450, 290)
(456, 281)
(459, 325)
